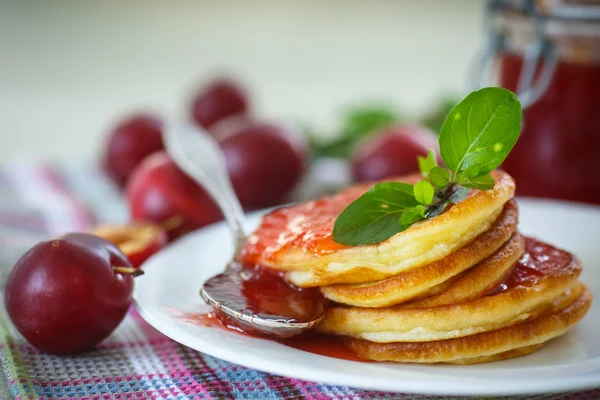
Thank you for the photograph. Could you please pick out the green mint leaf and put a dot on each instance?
(463, 179)
(423, 192)
(481, 130)
(374, 216)
(428, 163)
(483, 182)
(411, 215)
(439, 177)
(473, 172)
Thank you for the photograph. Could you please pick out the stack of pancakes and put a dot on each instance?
(462, 287)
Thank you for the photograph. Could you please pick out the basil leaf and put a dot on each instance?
(481, 130)
(426, 164)
(423, 192)
(463, 179)
(374, 216)
(439, 177)
(411, 215)
(483, 182)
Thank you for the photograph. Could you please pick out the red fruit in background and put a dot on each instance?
(65, 296)
(129, 143)
(137, 241)
(220, 99)
(391, 152)
(160, 192)
(264, 161)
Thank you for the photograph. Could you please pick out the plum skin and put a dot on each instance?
(265, 162)
(63, 295)
(220, 99)
(160, 192)
(390, 152)
(132, 140)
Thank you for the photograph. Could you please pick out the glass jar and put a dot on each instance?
(548, 52)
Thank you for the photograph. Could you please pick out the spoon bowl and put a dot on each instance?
(262, 303)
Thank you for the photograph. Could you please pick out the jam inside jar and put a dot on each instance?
(558, 151)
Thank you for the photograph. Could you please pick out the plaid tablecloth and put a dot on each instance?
(136, 362)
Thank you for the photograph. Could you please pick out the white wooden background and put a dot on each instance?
(69, 68)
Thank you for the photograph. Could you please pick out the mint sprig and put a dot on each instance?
(475, 138)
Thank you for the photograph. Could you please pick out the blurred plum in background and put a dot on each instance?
(160, 192)
(265, 161)
(219, 99)
(392, 151)
(129, 143)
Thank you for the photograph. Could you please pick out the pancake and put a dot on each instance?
(434, 277)
(505, 355)
(479, 280)
(298, 239)
(540, 276)
(512, 341)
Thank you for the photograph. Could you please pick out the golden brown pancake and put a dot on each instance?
(479, 280)
(508, 342)
(433, 278)
(505, 355)
(540, 276)
(298, 239)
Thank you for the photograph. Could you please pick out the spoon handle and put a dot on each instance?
(197, 153)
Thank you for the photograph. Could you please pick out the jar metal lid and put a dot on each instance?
(544, 32)
(558, 10)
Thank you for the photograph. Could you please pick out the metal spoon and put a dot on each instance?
(200, 157)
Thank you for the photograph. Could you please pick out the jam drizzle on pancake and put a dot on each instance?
(307, 225)
(539, 260)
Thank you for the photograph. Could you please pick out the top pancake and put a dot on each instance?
(298, 239)
(437, 276)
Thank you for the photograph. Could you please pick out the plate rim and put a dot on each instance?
(499, 387)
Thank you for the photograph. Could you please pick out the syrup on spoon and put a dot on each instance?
(256, 300)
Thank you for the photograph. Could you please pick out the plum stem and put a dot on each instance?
(128, 270)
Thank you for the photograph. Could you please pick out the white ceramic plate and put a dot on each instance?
(174, 276)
